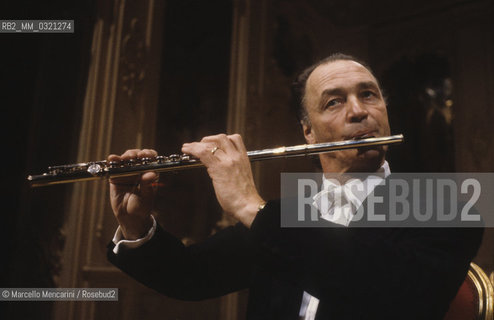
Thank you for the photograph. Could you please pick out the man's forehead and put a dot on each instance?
(340, 72)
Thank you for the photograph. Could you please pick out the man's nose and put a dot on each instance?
(356, 110)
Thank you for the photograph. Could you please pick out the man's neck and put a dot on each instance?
(344, 177)
(346, 172)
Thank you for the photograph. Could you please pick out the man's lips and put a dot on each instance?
(362, 135)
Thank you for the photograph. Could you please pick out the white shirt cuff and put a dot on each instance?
(132, 244)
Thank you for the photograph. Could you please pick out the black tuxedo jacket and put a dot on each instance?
(356, 273)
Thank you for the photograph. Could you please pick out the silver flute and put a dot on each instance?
(103, 169)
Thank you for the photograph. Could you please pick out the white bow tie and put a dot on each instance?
(337, 203)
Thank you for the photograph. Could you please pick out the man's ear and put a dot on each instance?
(308, 133)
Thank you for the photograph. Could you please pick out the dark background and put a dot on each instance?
(42, 83)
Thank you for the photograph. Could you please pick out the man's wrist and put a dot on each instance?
(250, 211)
(120, 241)
(137, 233)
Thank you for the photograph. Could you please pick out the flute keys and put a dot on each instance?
(53, 170)
(145, 160)
(94, 169)
(160, 159)
(174, 158)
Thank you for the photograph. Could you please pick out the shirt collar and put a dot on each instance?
(383, 172)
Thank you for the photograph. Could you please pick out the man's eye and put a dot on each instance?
(368, 94)
(333, 102)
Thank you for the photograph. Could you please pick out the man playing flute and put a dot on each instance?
(297, 273)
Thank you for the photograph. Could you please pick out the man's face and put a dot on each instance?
(343, 102)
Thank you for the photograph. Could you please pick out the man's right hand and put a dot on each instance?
(132, 197)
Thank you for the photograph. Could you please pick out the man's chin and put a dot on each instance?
(353, 160)
(368, 159)
(370, 152)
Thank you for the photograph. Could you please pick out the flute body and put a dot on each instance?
(103, 169)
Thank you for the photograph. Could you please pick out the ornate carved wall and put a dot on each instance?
(119, 113)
